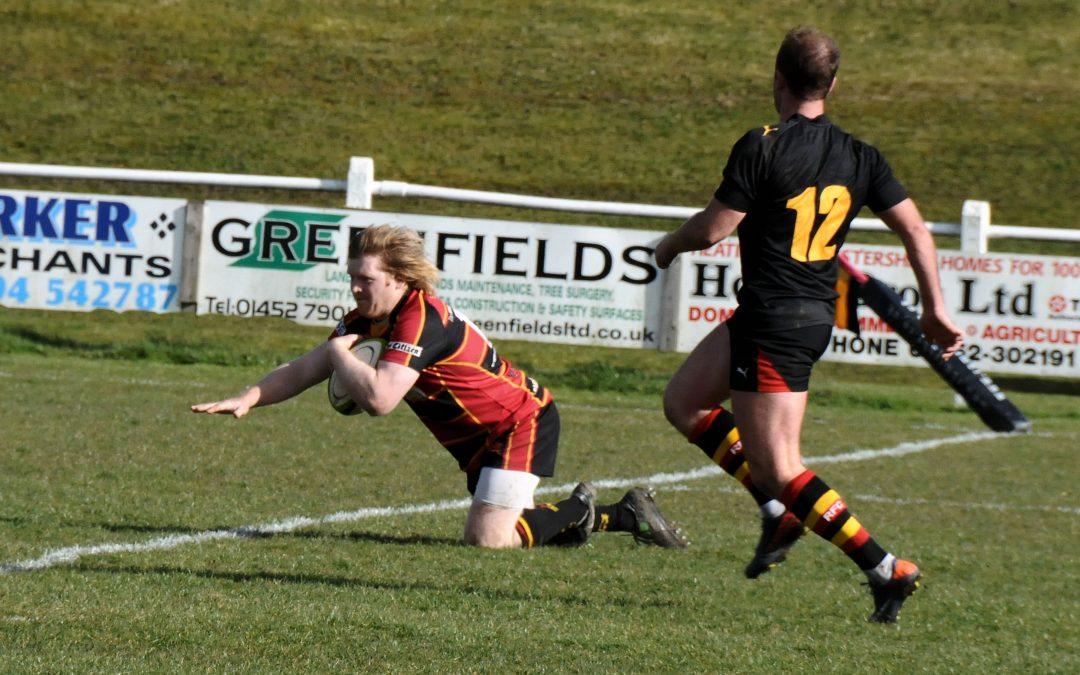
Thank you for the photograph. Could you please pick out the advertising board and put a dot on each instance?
(518, 280)
(81, 252)
(1019, 313)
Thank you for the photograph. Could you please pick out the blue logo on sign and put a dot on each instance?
(69, 220)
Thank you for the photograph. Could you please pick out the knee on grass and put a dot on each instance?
(487, 538)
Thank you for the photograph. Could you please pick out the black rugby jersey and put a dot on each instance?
(800, 185)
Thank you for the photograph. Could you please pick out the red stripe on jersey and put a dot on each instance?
(521, 445)
(465, 412)
(521, 384)
(422, 319)
(407, 330)
(483, 393)
(507, 453)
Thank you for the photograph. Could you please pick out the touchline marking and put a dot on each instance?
(72, 553)
(142, 382)
(592, 407)
(910, 501)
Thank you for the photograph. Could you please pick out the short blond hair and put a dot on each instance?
(401, 252)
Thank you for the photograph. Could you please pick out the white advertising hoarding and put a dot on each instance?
(1019, 313)
(531, 281)
(518, 280)
(84, 252)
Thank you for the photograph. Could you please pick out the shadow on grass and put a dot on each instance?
(375, 537)
(155, 346)
(152, 529)
(353, 582)
(378, 538)
(1038, 385)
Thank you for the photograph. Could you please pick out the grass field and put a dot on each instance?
(99, 449)
(130, 528)
(598, 99)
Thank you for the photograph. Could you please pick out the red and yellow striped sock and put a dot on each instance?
(718, 437)
(822, 510)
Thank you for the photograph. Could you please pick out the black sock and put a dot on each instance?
(614, 518)
(544, 523)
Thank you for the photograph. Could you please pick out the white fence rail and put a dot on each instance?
(175, 177)
(360, 186)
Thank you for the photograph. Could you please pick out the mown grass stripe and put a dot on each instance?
(73, 553)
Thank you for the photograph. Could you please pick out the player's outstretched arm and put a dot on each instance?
(280, 384)
(703, 229)
(376, 390)
(905, 220)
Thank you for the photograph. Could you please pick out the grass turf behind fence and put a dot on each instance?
(596, 99)
(103, 450)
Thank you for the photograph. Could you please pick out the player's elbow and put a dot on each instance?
(378, 406)
(903, 218)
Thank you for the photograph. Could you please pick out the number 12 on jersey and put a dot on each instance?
(834, 204)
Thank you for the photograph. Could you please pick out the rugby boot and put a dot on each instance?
(579, 534)
(889, 596)
(778, 535)
(650, 526)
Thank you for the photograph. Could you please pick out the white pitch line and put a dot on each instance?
(991, 506)
(904, 448)
(72, 553)
(909, 501)
(142, 382)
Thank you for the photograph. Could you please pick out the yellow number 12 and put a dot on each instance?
(834, 204)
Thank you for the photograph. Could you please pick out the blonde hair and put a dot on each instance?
(401, 252)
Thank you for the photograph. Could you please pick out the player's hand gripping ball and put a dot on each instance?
(368, 351)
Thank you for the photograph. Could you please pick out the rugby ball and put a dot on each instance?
(368, 351)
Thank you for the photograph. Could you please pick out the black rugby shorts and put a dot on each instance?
(775, 360)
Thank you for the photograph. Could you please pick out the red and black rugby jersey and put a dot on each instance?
(800, 184)
(465, 389)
